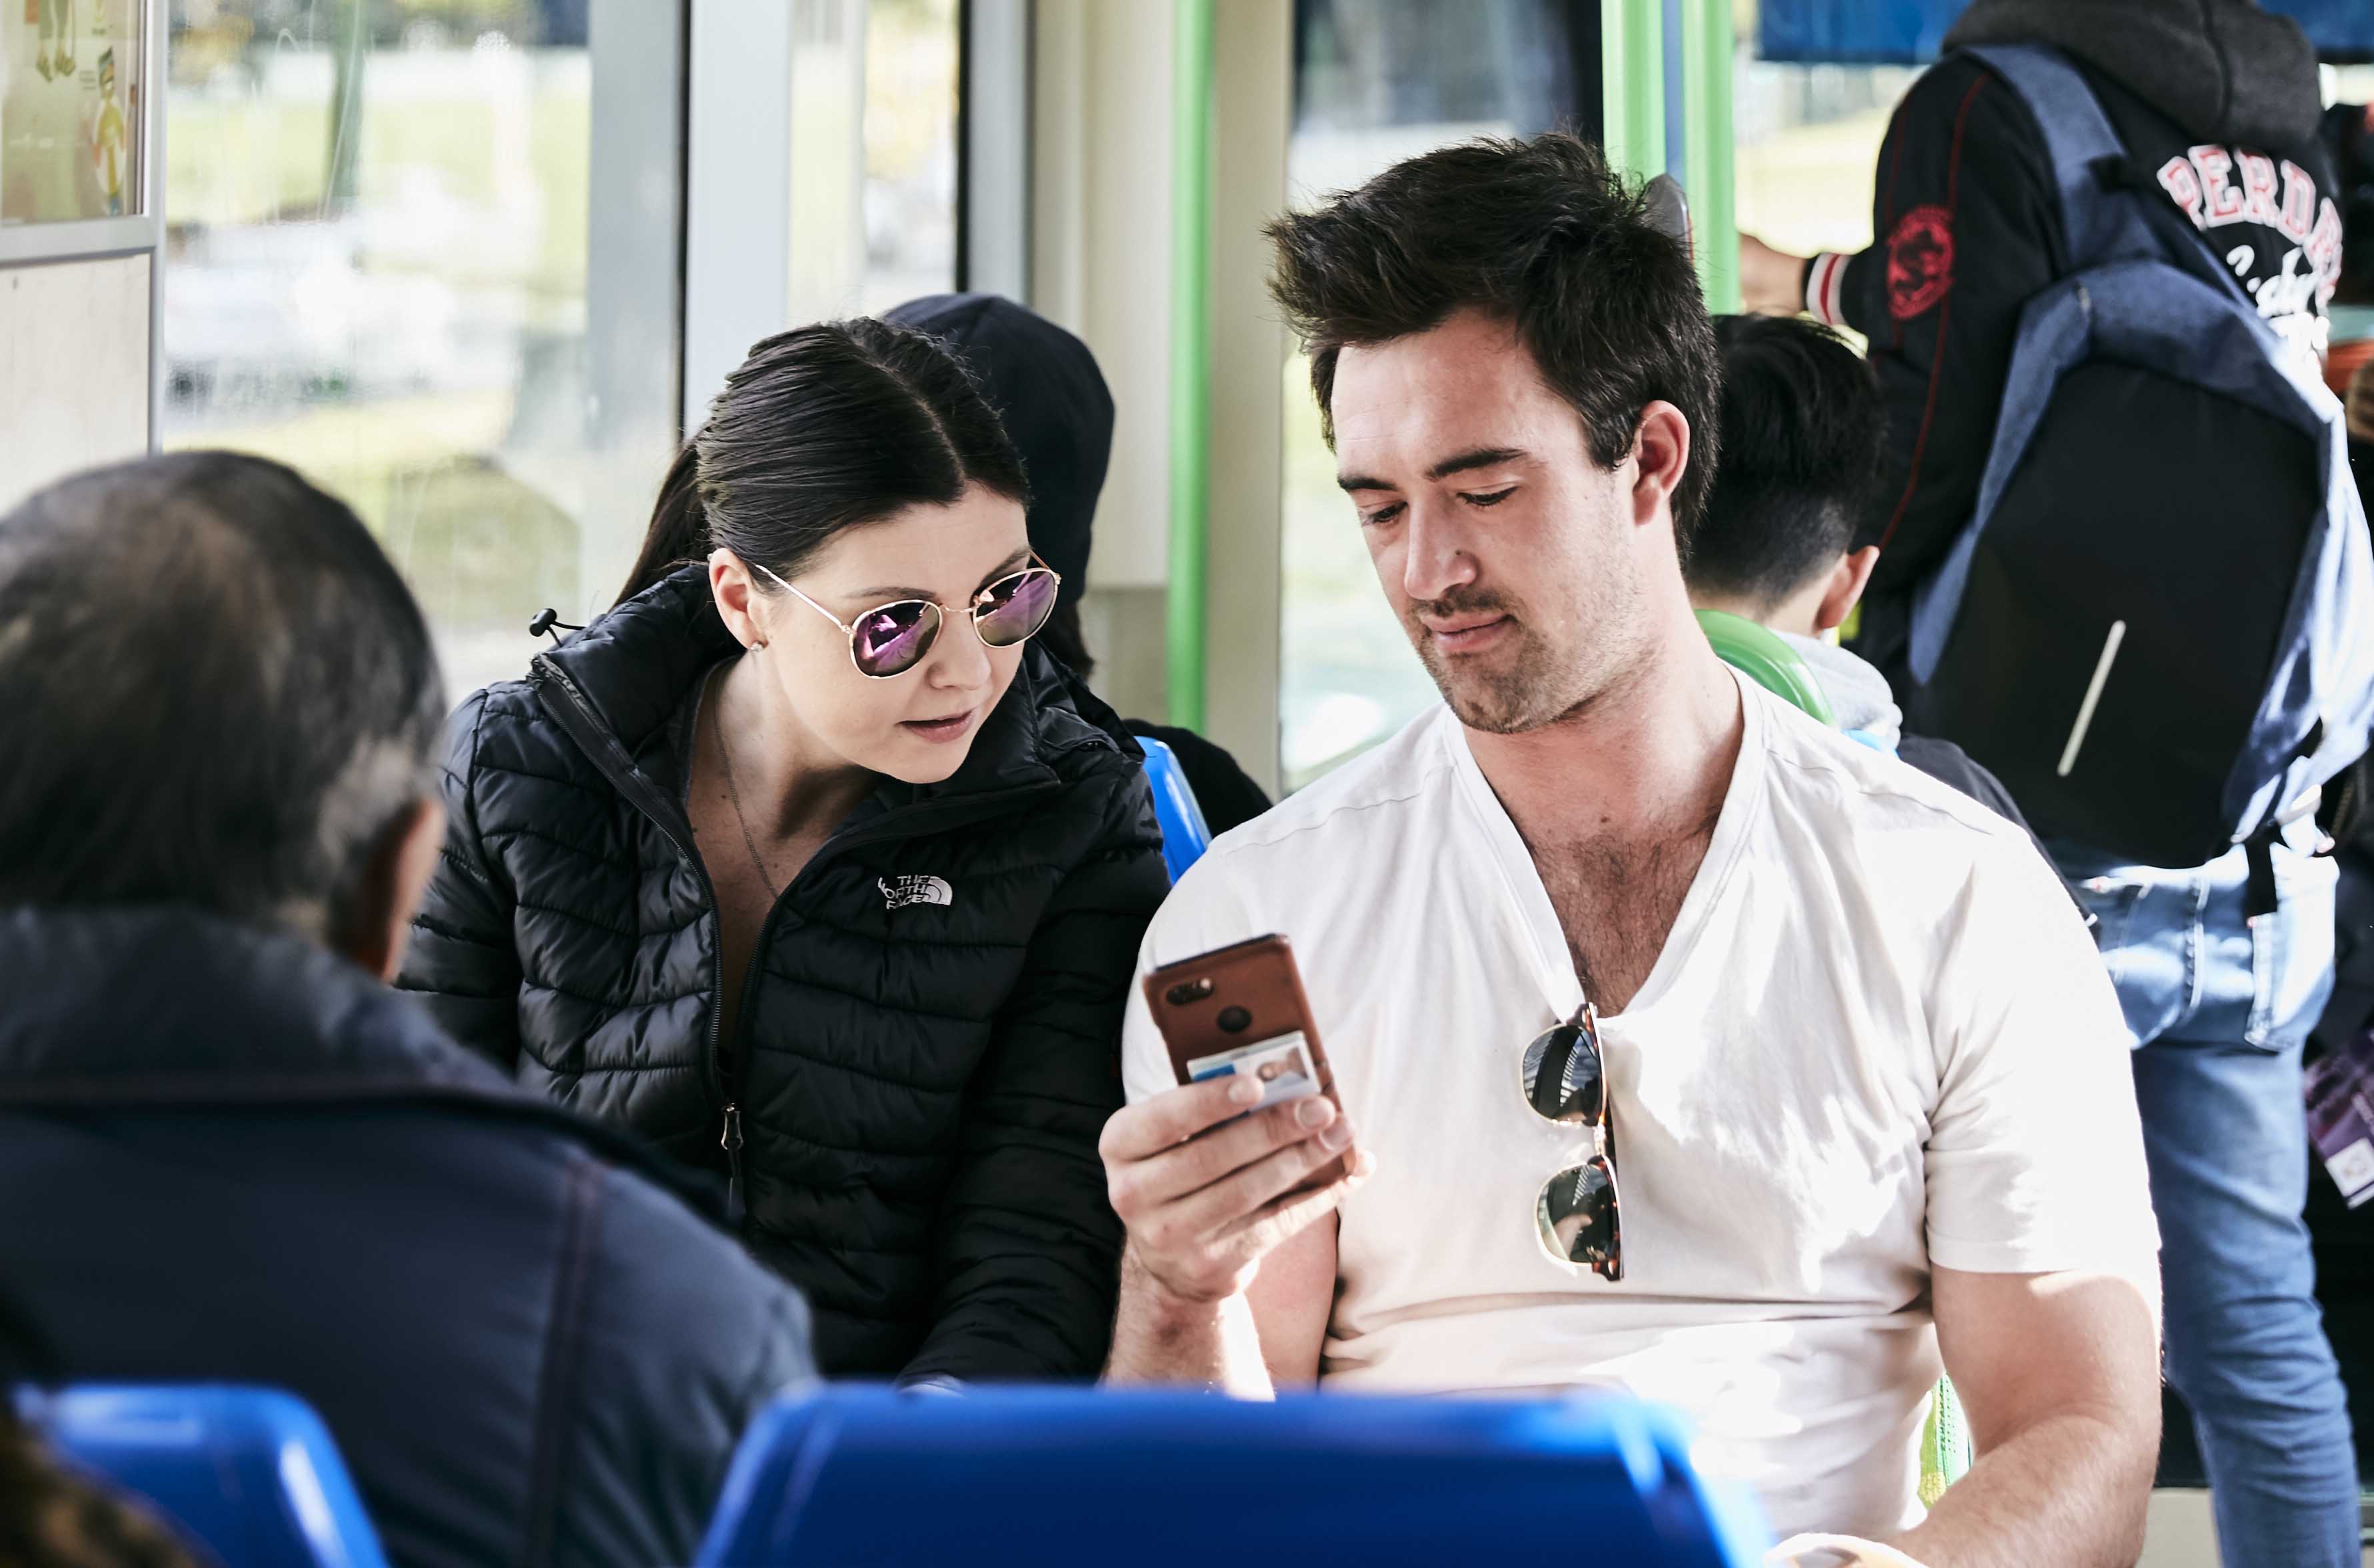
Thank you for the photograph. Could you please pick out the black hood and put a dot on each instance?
(2224, 70)
(1045, 385)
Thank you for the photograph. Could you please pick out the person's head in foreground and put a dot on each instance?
(1693, 1048)
(228, 1153)
(225, 700)
(1802, 424)
(860, 511)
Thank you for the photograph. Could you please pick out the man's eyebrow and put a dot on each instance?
(1482, 457)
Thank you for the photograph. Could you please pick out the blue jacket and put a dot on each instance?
(229, 1155)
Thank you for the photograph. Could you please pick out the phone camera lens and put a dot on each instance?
(1235, 1020)
(1187, 991)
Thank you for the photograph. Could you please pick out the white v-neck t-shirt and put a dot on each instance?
(1878, 1035)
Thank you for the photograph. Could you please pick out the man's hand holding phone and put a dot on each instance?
(1207, 1190)
(1213, 1176)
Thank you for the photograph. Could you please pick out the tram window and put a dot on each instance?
(1376, 81)
(1807, 148)
(428, 252)
(910, 151)
(401, 257)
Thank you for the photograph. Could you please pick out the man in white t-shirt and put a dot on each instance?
(1693, 1048)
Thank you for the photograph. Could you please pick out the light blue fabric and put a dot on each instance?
(1859, 695)
(2217, 1007)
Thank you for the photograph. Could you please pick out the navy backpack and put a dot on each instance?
(2153, 627)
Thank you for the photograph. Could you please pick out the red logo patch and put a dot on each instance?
(1920, 262)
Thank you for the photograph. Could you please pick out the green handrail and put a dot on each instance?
(1759, 654)
(1190, 367)
(1708, 149)
(1633, 86)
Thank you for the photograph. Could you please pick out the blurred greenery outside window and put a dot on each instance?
(378, 270)
(910, 196)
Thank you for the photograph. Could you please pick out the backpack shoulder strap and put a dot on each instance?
(2078, 136)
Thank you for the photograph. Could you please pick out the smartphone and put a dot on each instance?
(1240, 1010)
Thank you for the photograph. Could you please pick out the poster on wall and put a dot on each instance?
(70, 87)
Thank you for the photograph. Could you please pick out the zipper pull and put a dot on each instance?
(731, 1141)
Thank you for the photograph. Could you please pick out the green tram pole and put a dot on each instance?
(1190, 367)
(1632, 85)
(1706, 94)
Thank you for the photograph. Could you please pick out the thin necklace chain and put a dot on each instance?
(734, 793)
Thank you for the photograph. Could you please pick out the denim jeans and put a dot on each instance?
(2218, 1006)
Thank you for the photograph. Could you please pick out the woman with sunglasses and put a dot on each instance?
(803, 863)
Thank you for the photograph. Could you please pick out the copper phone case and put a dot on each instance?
(1252, 985)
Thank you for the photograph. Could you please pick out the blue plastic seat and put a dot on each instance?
(249, 1473)
(1185, 835)
(1082, 1476)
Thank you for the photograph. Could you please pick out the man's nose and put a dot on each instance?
(1434, 554)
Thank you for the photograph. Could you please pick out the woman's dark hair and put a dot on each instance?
(1803, 432)
(1541, 234)
(822, 429)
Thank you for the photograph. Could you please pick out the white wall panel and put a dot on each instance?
(74, 369)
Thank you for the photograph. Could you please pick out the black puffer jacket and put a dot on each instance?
(919, 1084)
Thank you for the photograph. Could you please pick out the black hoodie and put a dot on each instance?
(2219, 106)
(1047, 389)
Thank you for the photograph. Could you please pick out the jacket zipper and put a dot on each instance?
(730, 1140)
(609, 754)
(603, 748)
(730, 1135)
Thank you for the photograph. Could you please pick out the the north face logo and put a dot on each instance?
(897, 893)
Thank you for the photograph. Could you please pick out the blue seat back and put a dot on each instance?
(248, 1473)
(1185, 835)
(1061, 1476)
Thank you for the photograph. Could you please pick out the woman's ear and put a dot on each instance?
(736, 597)
(379, 914)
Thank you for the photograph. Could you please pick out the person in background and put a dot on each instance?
(2223, 968)
(1801, 422)
(227, 1153)
(1685, 1044)
(1045, 385)
(806, 864)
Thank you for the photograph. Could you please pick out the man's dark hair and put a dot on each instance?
(1802, 436)
(215, 690)
(1541, 234)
